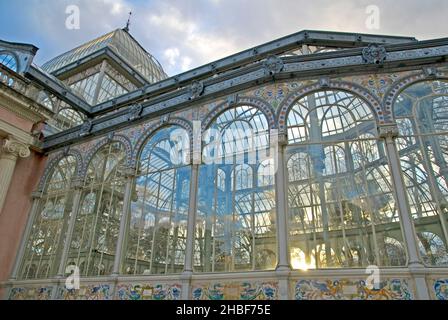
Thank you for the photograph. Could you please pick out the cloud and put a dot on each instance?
(186, 63)
(185, 34)
(171, 54)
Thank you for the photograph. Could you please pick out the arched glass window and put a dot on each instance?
(156, 237)
(421, 114)
(235, 226)
(329, 115)
(266, 173)
(95, 234)
(8, 60)
(41, 259)
(340, 200)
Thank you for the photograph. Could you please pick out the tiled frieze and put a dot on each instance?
(31, 293)
(242, 290)
(439, 288)
(88, 292)
(148, 291)
(343, 289)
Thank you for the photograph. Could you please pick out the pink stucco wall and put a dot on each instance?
(16, 209)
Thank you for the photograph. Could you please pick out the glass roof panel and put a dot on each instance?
(123, 44)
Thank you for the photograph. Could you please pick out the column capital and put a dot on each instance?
(77, 183)
(16, 148)
(280, 137)
(388, 131)
(129, 172)
(36, 194)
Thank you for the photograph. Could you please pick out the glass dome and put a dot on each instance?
(123, 44)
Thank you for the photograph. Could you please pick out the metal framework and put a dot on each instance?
(356, 125)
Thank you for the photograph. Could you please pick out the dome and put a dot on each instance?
(123, 44)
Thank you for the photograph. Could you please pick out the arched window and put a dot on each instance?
(421, 114)
(156, 237)
(235, 227)
(340, 198)
(329, 115)
(97, 223)
(266, 173)
(8, 60)
(242, 177)
(44, 243)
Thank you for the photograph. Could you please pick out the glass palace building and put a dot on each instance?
(296, 169)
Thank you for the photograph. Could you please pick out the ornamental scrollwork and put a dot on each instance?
(273, 65)
(196, 89)
(135, 111)
(86, 128)
(388, 131)
(16, 148)
(374, 53)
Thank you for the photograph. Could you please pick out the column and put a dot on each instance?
(26, 234)
(278, 144)
(191, 223)
(10, 151)
(281, 205)
(416, 268)
(130, 174)
(77, 187)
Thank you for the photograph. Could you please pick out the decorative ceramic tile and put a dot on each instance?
(91, 292)
(32, 293)
(235, 291)
(149, 291)
(440, 287)
(391, 289)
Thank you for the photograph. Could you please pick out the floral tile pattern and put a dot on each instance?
(440, 288)
(148, 291)
(33, 293)
(390, 289)
(91, 292)
(235, 291)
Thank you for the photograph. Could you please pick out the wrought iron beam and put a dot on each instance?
(300, 67)
(279, 46)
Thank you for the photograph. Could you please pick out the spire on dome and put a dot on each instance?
(128, 23)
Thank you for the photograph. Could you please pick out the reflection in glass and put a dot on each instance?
(159, 209)
(342, 211)
(235, 226)
(8, 60)
(42, 254)
(421, 113)
(95, 234)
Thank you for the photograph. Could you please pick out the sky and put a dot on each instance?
(183, 34)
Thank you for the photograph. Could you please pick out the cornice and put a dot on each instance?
(23, 106)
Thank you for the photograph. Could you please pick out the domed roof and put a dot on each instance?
(123, 44)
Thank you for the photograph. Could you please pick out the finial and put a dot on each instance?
(128, 23)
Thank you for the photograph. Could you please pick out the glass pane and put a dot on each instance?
(109, 89)
(342, 211)
(86, 88)
(422, 117)
(9, 61)
(42, 252)
(235, 227)
(159, 209)
(95, 234)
